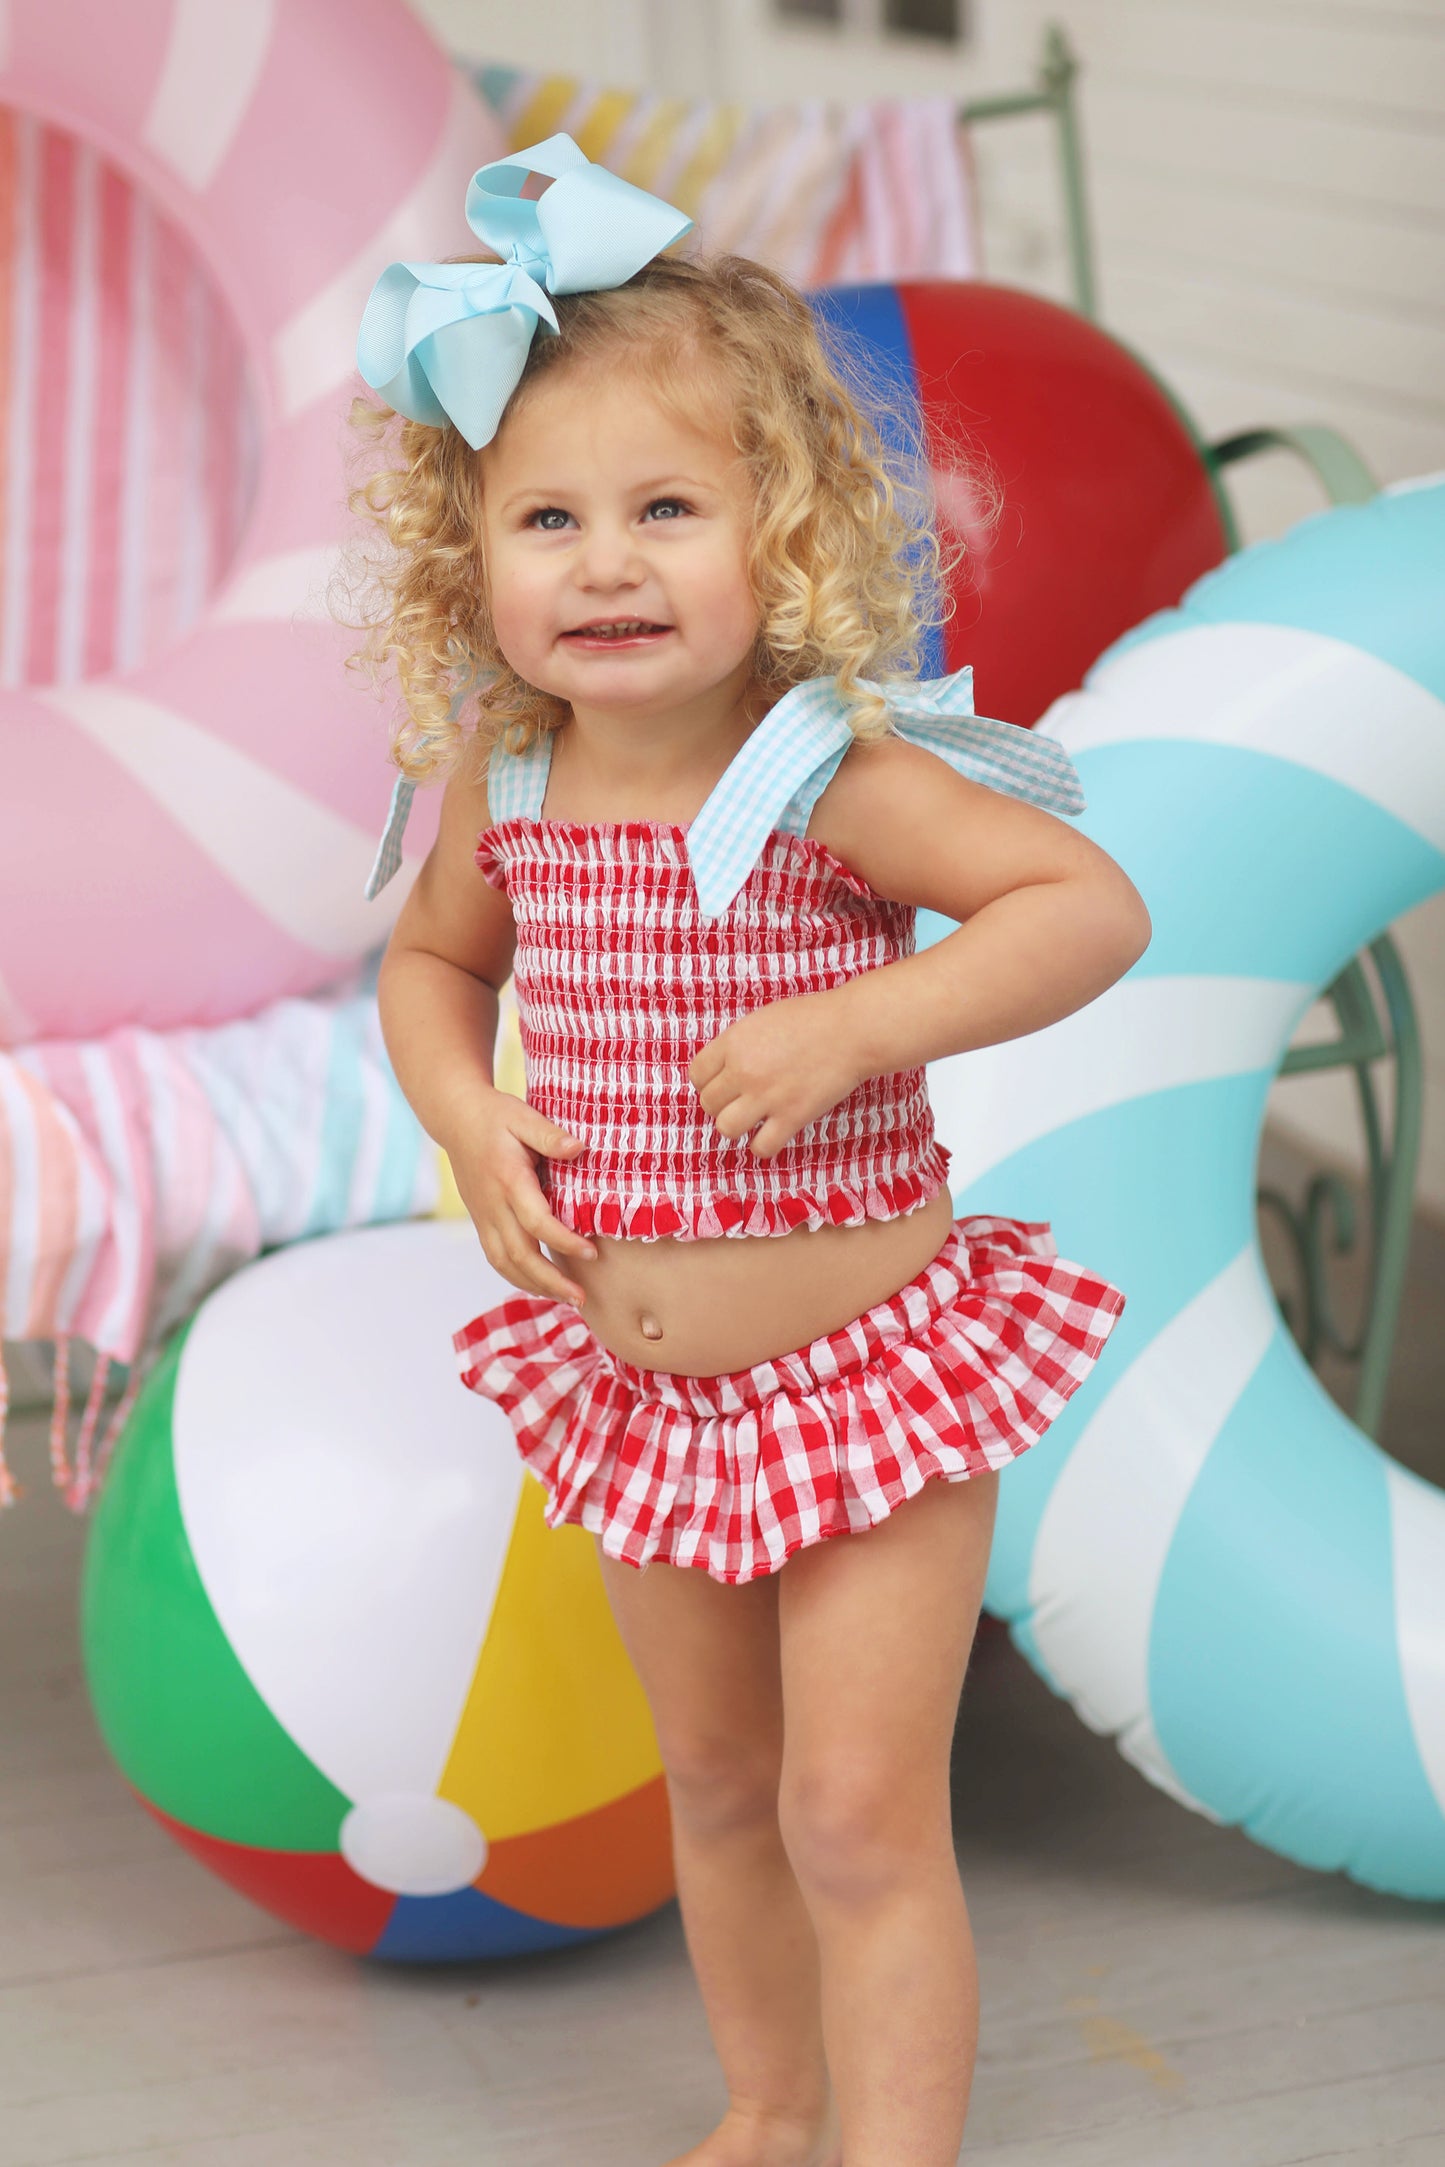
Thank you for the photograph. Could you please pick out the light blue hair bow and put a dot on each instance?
(448, 341)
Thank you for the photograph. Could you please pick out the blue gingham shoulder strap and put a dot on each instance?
(516, 785)
(782, 770)
(517, 781)
(388, 850)
(798, 746)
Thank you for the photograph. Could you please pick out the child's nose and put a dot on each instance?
(610, 555)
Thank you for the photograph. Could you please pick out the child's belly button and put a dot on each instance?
(703, 1307)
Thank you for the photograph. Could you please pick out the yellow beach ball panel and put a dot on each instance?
(551, 1795)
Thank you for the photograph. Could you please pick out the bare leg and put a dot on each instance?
(707, 1658)
(875, 1633)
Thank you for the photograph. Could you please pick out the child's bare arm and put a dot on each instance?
(449, 955)
(1047, 920)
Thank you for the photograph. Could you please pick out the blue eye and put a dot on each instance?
(545, 514)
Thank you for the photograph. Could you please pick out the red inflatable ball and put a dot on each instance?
(1109, 510)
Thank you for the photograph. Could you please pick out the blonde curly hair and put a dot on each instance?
(845, 560)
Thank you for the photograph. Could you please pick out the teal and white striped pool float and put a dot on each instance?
(1204, 1555)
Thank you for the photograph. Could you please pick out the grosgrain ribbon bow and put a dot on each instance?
(448, 341)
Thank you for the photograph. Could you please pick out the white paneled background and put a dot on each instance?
(1267, 185)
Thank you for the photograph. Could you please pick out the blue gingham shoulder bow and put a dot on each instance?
(448, 341)
(799, 743)
(784, 766)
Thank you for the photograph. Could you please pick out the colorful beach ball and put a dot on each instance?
(1108, 507)
(333, 1645)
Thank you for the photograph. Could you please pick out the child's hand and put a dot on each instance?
(495, 1169)
(776, 1069)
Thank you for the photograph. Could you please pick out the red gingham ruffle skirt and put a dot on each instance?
(956, 1374)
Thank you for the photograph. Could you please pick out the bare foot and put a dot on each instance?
(746, 2140)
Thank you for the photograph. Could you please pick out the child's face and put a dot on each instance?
(598, 506)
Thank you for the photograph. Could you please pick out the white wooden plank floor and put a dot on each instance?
(1158, 1992)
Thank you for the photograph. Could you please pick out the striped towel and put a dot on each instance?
(826, 193)
(139, 1170)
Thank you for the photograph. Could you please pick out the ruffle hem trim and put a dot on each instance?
(650, 1219)
(956, 1374)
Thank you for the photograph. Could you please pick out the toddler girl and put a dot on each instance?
(652, 591)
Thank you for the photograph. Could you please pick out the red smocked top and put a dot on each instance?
(620, 981)
(639, 941)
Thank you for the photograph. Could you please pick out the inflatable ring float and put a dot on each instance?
(185, 840)
(1204, 1555)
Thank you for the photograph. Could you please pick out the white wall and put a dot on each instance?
(1267, 180)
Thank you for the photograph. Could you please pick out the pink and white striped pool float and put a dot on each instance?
(189, 814)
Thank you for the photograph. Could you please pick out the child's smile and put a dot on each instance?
(611, 633)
